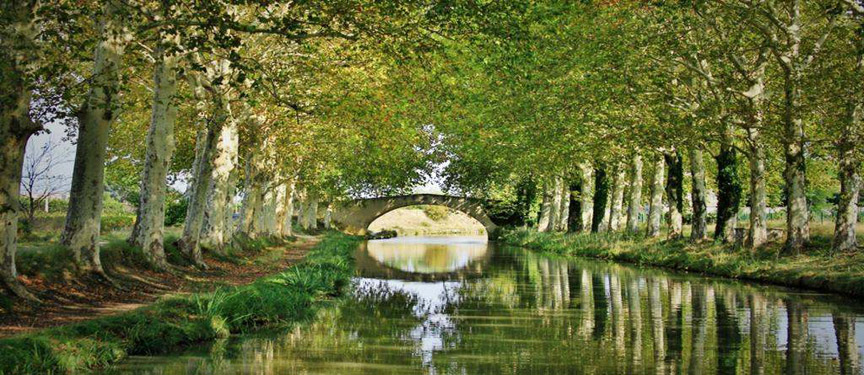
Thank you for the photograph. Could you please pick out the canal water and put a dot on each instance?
(459, 305)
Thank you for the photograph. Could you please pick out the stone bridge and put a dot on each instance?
(354, 217)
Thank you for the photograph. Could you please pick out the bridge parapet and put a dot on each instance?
(354, 217)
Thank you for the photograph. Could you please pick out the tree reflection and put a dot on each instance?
(532, 314)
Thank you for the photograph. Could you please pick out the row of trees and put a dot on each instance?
(323, 100)
(729, 93)
(262, 100)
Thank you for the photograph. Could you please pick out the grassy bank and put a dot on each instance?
(175, 322)
(817, 269)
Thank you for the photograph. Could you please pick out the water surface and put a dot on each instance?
(457, 305)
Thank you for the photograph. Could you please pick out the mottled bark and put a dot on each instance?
(617, 203)
(16, 128)
(206, 145)
(328, 217)
(189, 243)
(284, 208)
(655, 208)
(850, 185)
(555, 213)
(250, 224)
(601, 198)
(149, 229)
(758, 232)
(563, 191)
(586, 196)
(81, 232)
(310, 221)
(265, 213)
(634, 197)
(217, 228)
(545, 222)
(564, 213)
(795, 176)
(697, 174)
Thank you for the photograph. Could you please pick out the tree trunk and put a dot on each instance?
(250, 225)
(311, 214)
(564, 212)
(758, 232)
(675, 193)
(81, 233)
(555, 214)
(287, 229)
(266, 212)
(16, 128)
(545, 222)
(850, 186)
(284, 208)
(634, 199)
(655, 208)
(797, 213)
(586, 197)
(558, 204)
(217, 227)
(617, 204)
(697, 173)
(601, 198)
(728, 192)
(190, 242)
(847, 206)
(149, 229)
(328, 217)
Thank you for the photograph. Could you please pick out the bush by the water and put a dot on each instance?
(176, 322)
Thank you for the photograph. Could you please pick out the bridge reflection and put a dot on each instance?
(424, 258)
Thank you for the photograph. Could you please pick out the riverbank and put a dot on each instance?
(67, 297)
(816, 269)
(175, 322)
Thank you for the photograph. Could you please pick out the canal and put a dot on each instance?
(460, 305)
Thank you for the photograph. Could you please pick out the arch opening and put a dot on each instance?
(427, 220)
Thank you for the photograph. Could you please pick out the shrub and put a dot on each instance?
(112, 222)
(436, 213)
(175, 208)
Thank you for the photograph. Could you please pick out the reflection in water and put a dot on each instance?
(508, 311)
(428, 254)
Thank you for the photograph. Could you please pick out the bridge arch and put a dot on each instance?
(354, 217)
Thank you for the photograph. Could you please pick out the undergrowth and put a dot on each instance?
(176, 322)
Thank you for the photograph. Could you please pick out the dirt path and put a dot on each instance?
(69, 301)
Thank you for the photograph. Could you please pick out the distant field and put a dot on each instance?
(427, 221)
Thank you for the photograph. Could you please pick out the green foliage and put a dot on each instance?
(601, 196)
(436, 213)
(728, 188)
(182, 321)
(175, 208)
(112, 222)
